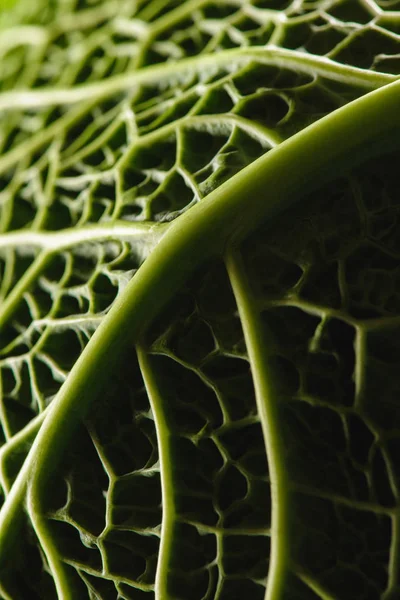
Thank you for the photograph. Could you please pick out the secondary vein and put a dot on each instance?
(256, 343)
(166, 474)
(61, 240)
(269, 54)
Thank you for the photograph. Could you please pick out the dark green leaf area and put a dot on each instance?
(257, 76)
(236, 589)
(199, 548)
(192, 566)
(316, 453)
(195, 567)
(102, 587)
(64, 347)
(201, 147)
(131, 555)
(351, 11)
(13, 461)
(327, 379)
(339, 545)
(382, 380)
(360, 439)
(216, 304)
(302, 257)
(78, 494)
(361, 47)
(111, 468)
(270, 274)
(192, 340)
(291, 329)
(338, 248)
(26, 578)
(196, 413)
(68, 541)
(265, 107)
(325, 39)
(246, 555)
(218, 466)
(311, 358)
(133, 447)
(19, 411)
(136, 501)
(134, 593)
(373, 277)
(198, 585)
(201, 326)
(296, 588)
(23, 214)
(239, 151)
(190, 393)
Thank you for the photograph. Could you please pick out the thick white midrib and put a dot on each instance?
(61, 240)
(270, 54)
(256, 344)
(166, 474)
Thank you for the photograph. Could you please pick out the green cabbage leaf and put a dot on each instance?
(200, 300)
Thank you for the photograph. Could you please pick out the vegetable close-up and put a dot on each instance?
(199, 300)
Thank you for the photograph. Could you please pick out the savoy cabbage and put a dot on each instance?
(200, 300)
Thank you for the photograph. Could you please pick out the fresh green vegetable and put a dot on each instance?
(200, 300)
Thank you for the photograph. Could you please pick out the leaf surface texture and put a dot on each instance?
(237, 434)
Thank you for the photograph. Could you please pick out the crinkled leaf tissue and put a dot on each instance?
(200, 300)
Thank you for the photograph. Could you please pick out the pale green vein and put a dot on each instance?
(56, 565)
(56, 241)
(90, 94)
(4, 594)
(360, 351)
(8, 273)
(99, 142)
(14, 298)
(158, 408)
(210, 123)
(271, 55)
(87, 18)
(46, 194)
(216, 122)
(74, 322)
(44, 136)
(183, 11)
(331, 496)
(150, 10)
(144, 236)
(18, 440)
(314, 585)
(23, 35)
(4, 424)
(372, 7)
(214, 529)
(256, 338)
(394, 558)
(116, 579)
